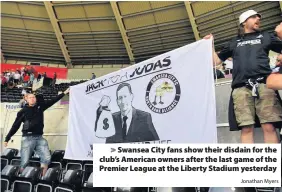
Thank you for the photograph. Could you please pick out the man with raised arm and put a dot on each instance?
(250, 96)
(32, 117)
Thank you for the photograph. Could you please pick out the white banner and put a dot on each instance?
(167, 99)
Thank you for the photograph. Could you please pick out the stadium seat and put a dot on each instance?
(16, 162)
(57, 159)
(89, 184)
(18, 97)
(87, 170)
(73, 177)
(49, 181)
(71, 181)
(4, 99)
(4, 162)
(87, 165)
(265, 189)
(7, 156)
(10, 153)
(55, 165)
(74, 165)
(141, 189)
(10, 100)
(8, 175)
(27, 179)
(10, 170)
(34, 163)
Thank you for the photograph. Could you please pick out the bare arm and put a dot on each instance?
(278, 30)
(274, 81)
(216, 59)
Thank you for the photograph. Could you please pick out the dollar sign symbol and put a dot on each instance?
(106, 125)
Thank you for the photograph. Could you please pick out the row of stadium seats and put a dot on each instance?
(14, 95)
(11, 95)
(62, 176)
(55, 179)
(12, 157)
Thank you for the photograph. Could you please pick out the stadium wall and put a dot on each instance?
(55, 128)
(60, 65)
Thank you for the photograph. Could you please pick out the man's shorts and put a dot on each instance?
(37, 144)
(267, 107)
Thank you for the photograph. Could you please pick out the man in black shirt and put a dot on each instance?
(250, 96)
(274, 81)
(32, 118)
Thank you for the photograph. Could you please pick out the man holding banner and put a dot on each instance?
(250, 97)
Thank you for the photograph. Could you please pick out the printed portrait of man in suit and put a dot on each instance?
(131, 125)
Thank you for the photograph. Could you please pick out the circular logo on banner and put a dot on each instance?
(163, 93)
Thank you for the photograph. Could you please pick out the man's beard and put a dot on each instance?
(257, 29)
